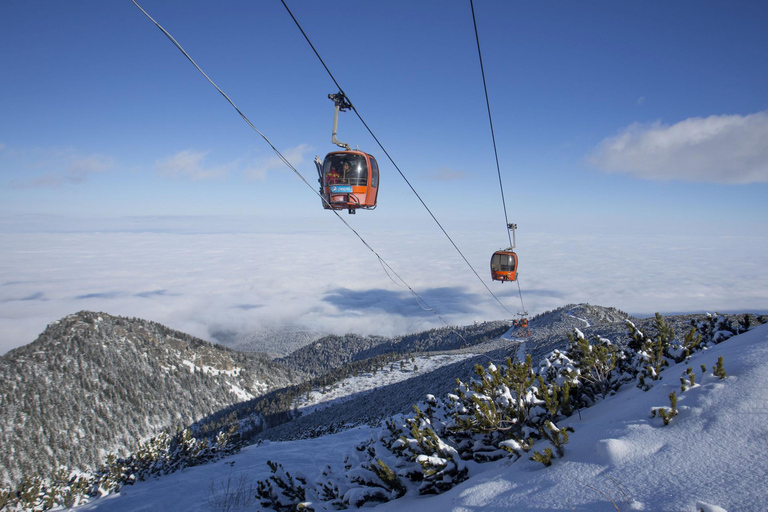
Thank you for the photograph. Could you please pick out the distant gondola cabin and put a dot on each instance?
(349, 180)
(504, 266)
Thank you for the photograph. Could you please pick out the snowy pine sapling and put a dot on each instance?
(653, 352)
(666, 413)
(691, 342)
(557, 399)
(688, 380)
(557, 437)
(595, 362)
(719, 370)
(544, 457)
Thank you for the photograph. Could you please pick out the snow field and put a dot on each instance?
(711, 455)
(348, 388)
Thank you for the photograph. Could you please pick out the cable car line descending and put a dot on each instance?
(490, 119)
(504, 264)
(420, 300)
(352, 107)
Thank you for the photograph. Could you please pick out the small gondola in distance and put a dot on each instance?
(504, 265)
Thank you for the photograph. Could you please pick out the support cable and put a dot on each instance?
(391, 159)
(521, 295)
(422, 303)
(493, 138)
(490, 121)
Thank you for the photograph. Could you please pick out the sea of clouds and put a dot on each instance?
(227, 280)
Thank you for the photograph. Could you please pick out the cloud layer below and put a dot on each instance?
(714, 149)
(324, 280)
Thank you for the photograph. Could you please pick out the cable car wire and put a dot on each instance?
(493, 138)
(420, 300)
(391, 159)
(490, 120)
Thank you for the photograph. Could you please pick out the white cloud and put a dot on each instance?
(257, 170)
(269, 277)
(189, 164)
(715, 149)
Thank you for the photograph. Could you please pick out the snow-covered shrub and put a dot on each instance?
(557, 437)
(331, 488)
(282, 491)
(718, 328)
(652, 354)
(595, 364)
(545, 457)
(373, 473)
(426, 442)
(503, 411)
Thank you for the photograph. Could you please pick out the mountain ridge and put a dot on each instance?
(94, 383)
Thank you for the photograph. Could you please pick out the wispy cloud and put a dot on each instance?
(257, 170)
(446, 174)
(189, 164)
(68, 167)
(714, 149)
(33, 296)
(152, 293)
(99, 295)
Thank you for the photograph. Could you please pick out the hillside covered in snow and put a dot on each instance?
(620, 456)
(608, 439)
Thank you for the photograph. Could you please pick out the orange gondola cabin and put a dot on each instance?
(349, 180)
(504, 265)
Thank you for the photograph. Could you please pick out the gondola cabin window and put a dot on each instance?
(374, 173)
(503, 263)
(346, 169)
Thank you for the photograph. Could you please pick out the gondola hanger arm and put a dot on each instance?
(341, 104)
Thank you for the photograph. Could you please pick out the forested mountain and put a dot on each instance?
(93, 383)
(275, 342)
(331, 352)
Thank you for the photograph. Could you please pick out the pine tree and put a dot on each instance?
(719, 370)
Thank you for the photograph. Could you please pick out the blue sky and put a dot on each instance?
(103, 116)
(628, 120)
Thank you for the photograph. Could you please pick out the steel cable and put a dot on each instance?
(391, 159)
(420, 300)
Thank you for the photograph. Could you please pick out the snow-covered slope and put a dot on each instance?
(711, 455)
